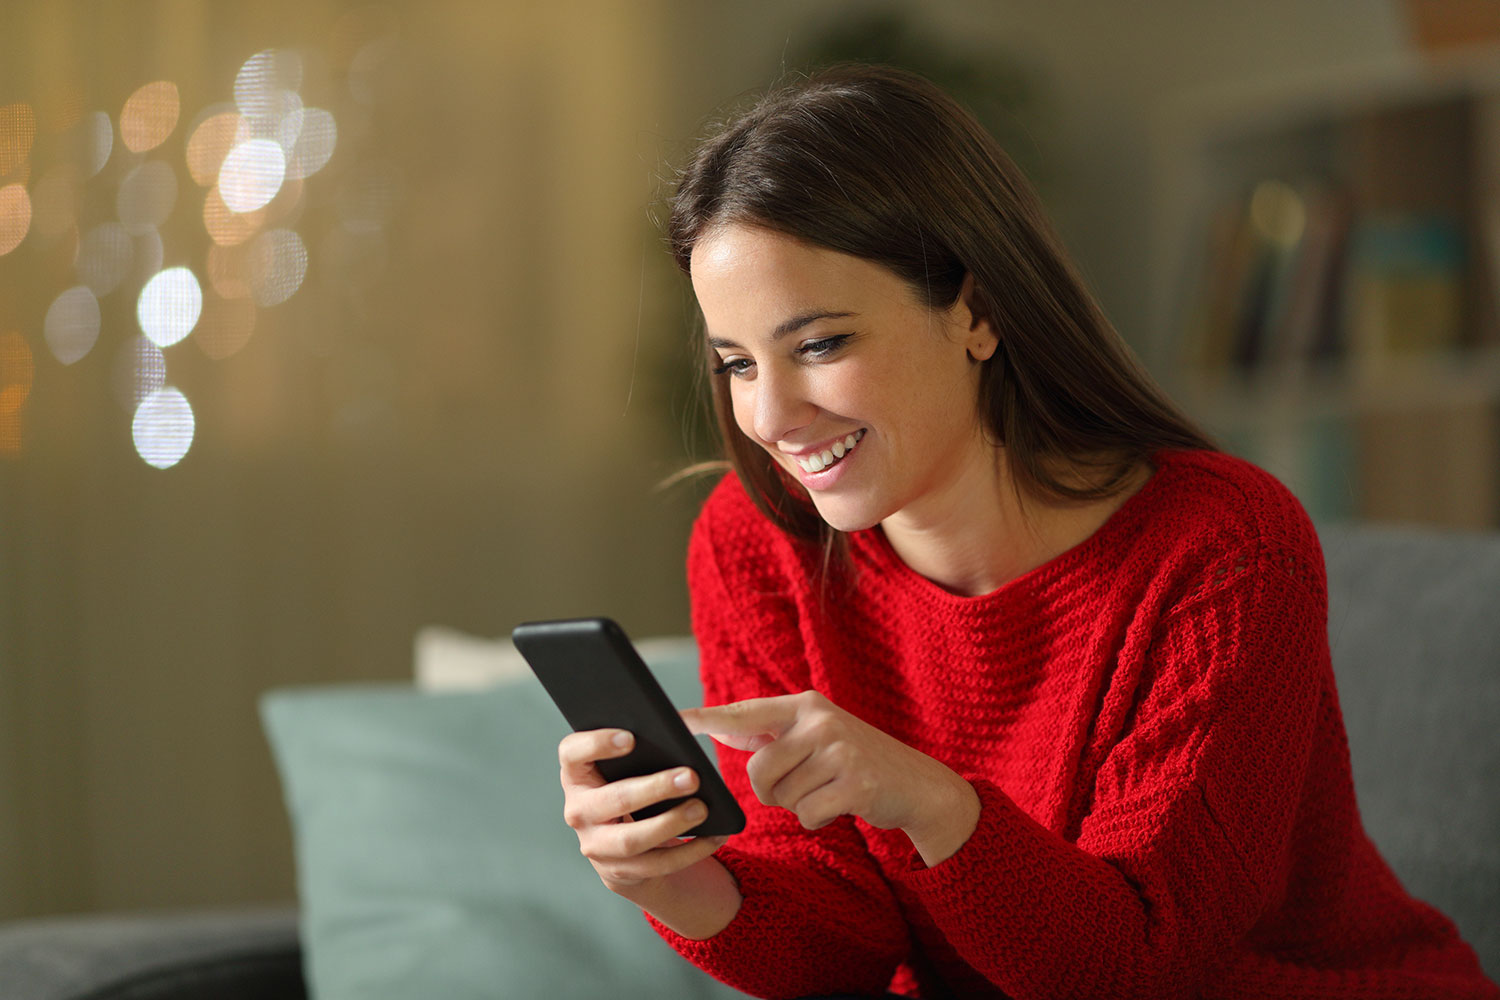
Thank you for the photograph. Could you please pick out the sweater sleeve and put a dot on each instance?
(1186, 839)
(818, 915)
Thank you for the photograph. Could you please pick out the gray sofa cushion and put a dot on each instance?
(212, 955)
(1414, 624)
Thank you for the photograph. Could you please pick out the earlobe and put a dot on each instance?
(983, 339)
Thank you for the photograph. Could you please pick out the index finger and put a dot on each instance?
(744, 725)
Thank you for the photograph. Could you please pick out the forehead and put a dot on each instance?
(737, 267)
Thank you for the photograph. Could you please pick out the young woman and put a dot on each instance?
(1025, 688)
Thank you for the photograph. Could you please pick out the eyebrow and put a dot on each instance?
(785, 327)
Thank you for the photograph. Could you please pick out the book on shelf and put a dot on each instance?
(1405, 295)
(1271, 289)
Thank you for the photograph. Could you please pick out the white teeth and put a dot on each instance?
(819, 462)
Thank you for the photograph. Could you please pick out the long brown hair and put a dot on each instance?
(879, 163)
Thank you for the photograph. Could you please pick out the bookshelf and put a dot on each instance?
(1327, 260)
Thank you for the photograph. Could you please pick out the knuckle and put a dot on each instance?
(573, 816)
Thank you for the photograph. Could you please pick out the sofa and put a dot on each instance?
(431, 863)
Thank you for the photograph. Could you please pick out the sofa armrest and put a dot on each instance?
(252, 954)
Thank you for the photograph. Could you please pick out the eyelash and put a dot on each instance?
(820, 348)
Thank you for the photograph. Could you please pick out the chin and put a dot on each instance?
(847, 517)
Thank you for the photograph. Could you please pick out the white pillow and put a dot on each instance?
(449, 660)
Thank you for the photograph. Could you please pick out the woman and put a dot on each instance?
(1025, 687)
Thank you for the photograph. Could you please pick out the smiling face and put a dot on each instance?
(860, 392)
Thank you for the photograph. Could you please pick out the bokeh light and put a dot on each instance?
(15, 217)
(367, 68)
(17, 133)
(149, 116)
(163, 428)
(17, 369)
(92, 140)
(140, 369)
(104, 256)
(226, 326)
(277, 263)
(148, 253)
(146, 196)
(72, 324)
(210, 142)
(228, 270)
(260, 81)
(169, 306)
(54, 202)
(252, 174)
(315, 144)
(228, 228)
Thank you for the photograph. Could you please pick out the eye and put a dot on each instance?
(738, 367)
(823, 346)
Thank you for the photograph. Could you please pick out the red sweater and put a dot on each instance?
(1151, 724)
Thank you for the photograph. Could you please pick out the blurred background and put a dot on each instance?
(321, 322)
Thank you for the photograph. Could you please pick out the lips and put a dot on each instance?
(820, 461)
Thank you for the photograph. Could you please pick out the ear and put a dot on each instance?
(982, 338)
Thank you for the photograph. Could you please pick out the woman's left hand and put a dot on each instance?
(821, 762)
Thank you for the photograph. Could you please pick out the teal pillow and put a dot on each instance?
(432, 856)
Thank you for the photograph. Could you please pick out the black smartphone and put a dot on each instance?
(599, 681)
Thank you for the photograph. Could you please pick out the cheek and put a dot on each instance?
(742, 405)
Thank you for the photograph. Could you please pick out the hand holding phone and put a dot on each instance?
(598, 681)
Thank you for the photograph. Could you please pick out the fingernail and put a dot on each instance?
(621, 739)
(697, 811)
(683, 779)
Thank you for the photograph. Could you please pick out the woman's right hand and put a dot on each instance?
(632, 857)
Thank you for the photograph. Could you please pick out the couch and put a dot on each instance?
(394, 818)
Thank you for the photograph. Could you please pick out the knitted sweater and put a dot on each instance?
(1151, 725)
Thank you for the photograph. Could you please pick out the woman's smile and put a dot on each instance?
(819, 469)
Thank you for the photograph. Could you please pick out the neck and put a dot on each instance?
(984, 533)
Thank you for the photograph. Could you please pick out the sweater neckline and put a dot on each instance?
(888, 561)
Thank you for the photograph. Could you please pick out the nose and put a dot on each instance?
(780, 405)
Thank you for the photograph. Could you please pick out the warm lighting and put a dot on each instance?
(228, 271)
(149, 116)
(15, 217)
(149, 252)
(17, 133)
(210, 142)
(140, 370)
(72, 324)
(169, 306)
(261, 80)
(163, 428)
(252, 174)
(54, 202)
(225, 327)
(1278, 214)
(146, 196)
(227, 228)
(104, 256)
(17, 369)
(366, 68)
(277, 264)
(314, 145)
(367, 197)
(93, 139)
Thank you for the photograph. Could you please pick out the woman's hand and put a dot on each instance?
(821, 762)
(629, 855)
